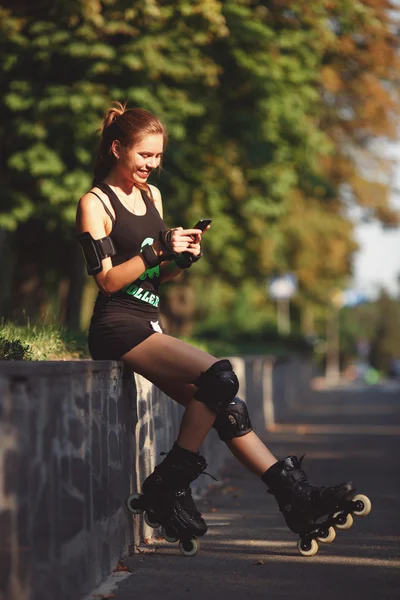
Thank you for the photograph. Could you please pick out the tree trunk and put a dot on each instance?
(27, 291)
(77, 280)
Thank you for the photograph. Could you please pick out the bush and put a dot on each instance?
(14, 350)
(264, 340)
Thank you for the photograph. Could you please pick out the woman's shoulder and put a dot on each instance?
(88, 201)
(91, 198)
(94, 202)
(156, 194)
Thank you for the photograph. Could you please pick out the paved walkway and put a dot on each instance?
(348, 433)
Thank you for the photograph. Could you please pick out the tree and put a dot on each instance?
(385, 343)
(360, 85)
(63, 65)
(376, 323)
(268, 121)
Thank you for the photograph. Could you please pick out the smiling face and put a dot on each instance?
(138, 161)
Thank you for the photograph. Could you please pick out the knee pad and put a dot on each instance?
(217, 386)
(233, 421)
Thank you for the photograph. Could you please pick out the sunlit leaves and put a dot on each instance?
(268, 107)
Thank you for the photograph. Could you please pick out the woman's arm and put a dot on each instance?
(168, 270)
(92, 218)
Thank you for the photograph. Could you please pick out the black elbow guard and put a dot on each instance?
(94, 251)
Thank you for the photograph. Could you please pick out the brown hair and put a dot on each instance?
(129, 126)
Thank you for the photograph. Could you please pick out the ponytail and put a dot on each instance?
(112, 114)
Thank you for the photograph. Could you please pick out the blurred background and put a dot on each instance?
(283, 121)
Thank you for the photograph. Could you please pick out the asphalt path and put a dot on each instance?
(350, 432)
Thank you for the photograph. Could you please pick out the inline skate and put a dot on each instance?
(313, 512)
(167, 499)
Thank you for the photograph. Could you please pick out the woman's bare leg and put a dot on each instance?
(165, 359)
(248, 449)
(252, 453)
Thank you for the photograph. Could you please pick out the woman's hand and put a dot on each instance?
(176, 241)
(194, 246)
(186, 240)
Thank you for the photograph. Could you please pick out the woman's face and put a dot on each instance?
(137, 162)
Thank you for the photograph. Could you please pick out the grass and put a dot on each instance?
(41, 342)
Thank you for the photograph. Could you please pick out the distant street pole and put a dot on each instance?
(339, 299)
(282, 288)
(332, 372)
(283, 316)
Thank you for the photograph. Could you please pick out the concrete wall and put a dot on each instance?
(65, 460)
(76, 439)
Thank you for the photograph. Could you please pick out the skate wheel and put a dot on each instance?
(150, 520)
(189, 547)
(363, 507)
(133, 504)
(169, 534)
(329, 537)
(344, 521)
(307, 548)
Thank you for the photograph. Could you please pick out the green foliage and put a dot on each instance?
(264, 341)
(385, 343)
(41, 342)
(377, 323)
(13, 350)
(266, 106)
(235, 92)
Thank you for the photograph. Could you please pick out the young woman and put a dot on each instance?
(130, 252)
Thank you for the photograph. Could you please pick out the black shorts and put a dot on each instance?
(112, 335)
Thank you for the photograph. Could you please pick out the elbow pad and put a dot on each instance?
(94, 251)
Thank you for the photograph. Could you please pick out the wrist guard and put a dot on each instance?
(186, 259)
(150, 257)
(165, 239)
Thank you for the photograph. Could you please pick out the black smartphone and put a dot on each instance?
(202, 224)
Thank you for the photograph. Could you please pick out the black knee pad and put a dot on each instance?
(217, 386)
(234, 421)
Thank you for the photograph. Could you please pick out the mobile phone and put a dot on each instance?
(202, 224)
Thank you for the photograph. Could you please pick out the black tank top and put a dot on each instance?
(130, 233)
